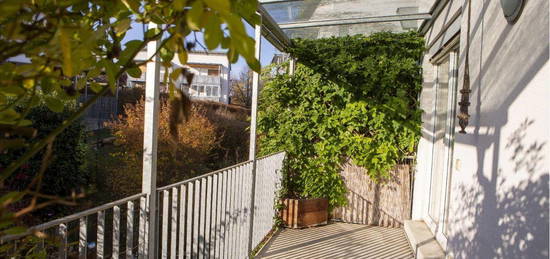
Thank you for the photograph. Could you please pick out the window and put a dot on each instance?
(215, 91)
(201, 90)
(213, 72)
(208, 90)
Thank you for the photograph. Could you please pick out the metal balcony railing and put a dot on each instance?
(204, 217)
(205, 80)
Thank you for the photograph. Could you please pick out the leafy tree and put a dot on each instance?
(350, 97)
(66, 44)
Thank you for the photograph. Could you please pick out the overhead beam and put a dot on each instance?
(278, 1)
(360, 20)
(272, 32)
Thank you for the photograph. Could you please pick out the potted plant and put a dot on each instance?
(301, 213)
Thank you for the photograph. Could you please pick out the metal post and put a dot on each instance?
(291, 66)
(253, 119)
(150, 134)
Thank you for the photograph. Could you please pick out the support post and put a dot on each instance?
(253, 122)
(291, 66)
(150, 142)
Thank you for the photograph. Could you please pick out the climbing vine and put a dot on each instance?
(350, 97)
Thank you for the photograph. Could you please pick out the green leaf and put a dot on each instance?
(133, 5)
(122, 26)
(194, 16)
(96, 88)
(166, 55)
(111, 70)
(131, 47)
(219, 5)
(182, 56)
(134, 72)
(65, 43)
(54, 104)
(213, 33)
(179, 4)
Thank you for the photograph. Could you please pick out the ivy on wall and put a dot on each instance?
(350, 97)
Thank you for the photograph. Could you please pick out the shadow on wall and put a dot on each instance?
(503, 213)
(517, 219)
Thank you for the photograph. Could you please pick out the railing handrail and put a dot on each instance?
(201, 176)
(71, 217)
(212, 173)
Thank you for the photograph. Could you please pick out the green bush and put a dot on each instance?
(350, 97)
(66, 170)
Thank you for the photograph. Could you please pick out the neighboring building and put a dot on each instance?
(484, 193)
(211, 81)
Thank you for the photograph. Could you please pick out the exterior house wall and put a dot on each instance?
(498, 201)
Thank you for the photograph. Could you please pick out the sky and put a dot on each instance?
(267, 50)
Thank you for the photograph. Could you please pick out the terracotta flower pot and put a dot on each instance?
(301, 213)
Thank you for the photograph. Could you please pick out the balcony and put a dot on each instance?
(222, 214)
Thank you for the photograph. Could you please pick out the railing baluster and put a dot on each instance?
(207, 223)
(129, 229)
(174, 224)
(63, 241)
(196, 215)
(142, 227)
(232, 214)
(82, 237)
(214, 221)
(100, 234)
(189, 225)
(239, 240)
(165, 217)
(220, 253)
(202, 222)
(181, 247)
(116, 231)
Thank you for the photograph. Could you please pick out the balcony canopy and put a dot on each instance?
(287, 19)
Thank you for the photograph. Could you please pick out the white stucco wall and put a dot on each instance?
(500, 170)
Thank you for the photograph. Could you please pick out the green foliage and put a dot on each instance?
(65, 172)
(69, 43)
(350, 97)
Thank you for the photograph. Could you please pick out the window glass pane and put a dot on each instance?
(208, 90)
(213, 72)
(215, 91)
(201, 90)
(439, 154)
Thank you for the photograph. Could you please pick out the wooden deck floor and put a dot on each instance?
(339, 240)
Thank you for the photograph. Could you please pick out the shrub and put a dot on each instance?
(178, 159)
(66, 170)
(349, 97)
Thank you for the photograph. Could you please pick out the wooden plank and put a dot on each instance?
(208, 208)
(165, 217)
(189, 225)
(174, 223)
(62, 230)
(82, 238)
(100, 234)
(129, 229)
(229, 214)
(202, 222)
(116, 231)
(196, 215)
(181, 243)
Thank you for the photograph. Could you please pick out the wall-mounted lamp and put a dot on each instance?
(511, 9)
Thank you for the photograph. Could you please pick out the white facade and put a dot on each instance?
(485, 193)
(211, 81)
